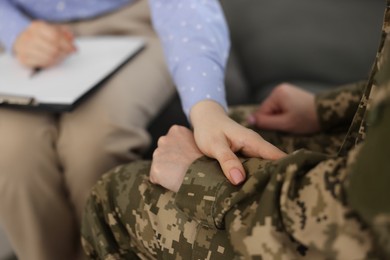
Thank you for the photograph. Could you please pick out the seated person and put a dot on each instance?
(283, 41)
(49, 161)
(322, 202)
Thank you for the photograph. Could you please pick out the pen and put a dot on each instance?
(35, 71)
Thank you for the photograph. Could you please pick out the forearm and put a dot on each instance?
(12, 23)
(205, 185)
(201, 185)
(196, 45)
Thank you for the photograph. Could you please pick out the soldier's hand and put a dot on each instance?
(42, 45)
(171, 159)
(219, 137)
(289, 109)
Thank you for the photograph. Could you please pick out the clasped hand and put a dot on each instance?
(288, 108)
(174, 154)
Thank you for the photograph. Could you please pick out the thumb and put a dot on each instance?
(230, 164)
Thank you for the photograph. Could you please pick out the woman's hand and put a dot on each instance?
(174, 154)
(289, 109)
(42, 45)
(220, 137)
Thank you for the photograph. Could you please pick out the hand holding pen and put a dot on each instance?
(42, 45)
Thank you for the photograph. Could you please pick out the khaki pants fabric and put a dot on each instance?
(329, 202)
(49, 162)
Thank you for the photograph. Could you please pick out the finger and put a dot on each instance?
(67, 32)
(34, 58)
(45, 60)
(268, 107)
(67, 44)
(64, 45)
(272, 121)
(45, 45)
(256, 146)
(55, 37)
(68, 38)
(48, 32)
(55, 52)
(230, 164)
(270, 104)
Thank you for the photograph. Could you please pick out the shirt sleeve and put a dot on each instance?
(196, 44)
(12, 23)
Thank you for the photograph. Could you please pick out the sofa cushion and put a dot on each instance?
(314, 43)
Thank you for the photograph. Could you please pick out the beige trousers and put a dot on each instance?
(49, 162)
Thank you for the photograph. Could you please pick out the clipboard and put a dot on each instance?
(62, 87)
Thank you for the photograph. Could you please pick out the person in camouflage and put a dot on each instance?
(326, 200)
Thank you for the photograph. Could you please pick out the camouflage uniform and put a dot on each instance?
(326, 200)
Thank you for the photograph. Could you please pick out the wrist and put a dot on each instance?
(206, 109)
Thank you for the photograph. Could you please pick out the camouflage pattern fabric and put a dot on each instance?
(317, 203)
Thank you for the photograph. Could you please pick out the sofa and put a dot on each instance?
(315, 44)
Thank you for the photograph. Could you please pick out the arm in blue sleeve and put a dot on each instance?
(196, 43)
(12, 23)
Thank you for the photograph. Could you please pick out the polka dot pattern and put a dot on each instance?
(196, 45)
(193, 33)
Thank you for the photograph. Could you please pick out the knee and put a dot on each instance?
(25, 145)
(20, 166)
(22, 184)
(93, 144)
(99, 217)
(85, 158)
(98, 197)
(120, 182)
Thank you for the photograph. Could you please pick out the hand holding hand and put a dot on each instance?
(289, 109)
(174, 154)
(42, 45)
(219, 137)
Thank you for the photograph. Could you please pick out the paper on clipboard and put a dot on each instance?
(62, 85)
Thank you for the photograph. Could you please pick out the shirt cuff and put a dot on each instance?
(200, 79)
(10, 30)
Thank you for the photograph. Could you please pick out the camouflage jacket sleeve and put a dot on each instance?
(336, 108)
(201, 186)
(206, 195)
(293, 208)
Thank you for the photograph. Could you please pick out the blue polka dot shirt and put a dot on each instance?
(193, 33)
